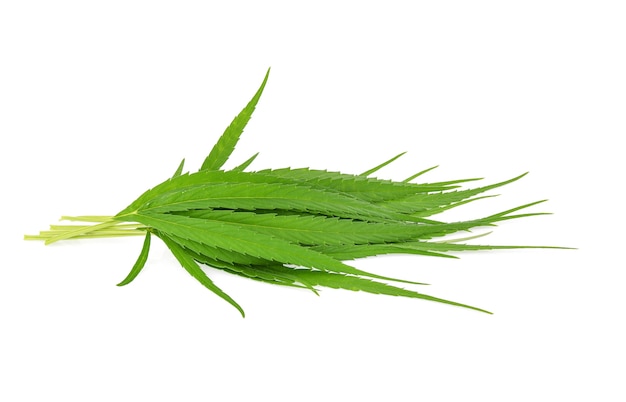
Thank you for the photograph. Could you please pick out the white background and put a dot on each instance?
(100, 100)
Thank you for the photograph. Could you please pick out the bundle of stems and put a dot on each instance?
(292, 227)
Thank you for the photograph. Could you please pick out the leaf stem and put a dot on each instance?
(104, 227)
(87, 218)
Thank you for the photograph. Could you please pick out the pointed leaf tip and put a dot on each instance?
(225, 145)
(190, 265)
(139, 264)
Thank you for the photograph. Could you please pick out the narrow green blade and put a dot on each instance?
(179, 170)
(226, 144)
(244, 165)
(418, 174)
(341, 281)
(192, 267)
(139, 264)
(382, 165)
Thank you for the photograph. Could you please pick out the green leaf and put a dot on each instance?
(346, 252)
(244, 165)
(192, 267)
(139, 264)
(179, 170)
(356, 187)
(340, 281)
(315, 229)
(226, 144)
(382, 165)
(252, 196)
(263, 273)
(424, 202)
(365, 188)
(416, 175)
(248, 242)
(210, 252)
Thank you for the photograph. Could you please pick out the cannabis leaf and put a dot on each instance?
(292, 227)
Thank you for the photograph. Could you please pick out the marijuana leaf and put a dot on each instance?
(292, 227)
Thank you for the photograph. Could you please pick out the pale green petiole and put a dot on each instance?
(106, 227)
